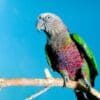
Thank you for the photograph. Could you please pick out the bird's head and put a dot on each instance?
(51, 24)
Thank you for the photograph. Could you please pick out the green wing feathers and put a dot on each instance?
(81, 44)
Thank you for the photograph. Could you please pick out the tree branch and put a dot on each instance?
(47, 82)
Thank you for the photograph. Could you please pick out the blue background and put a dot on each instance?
(22, 46)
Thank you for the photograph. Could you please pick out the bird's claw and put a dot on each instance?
(66, 79)
(64, 84)
(88, 85)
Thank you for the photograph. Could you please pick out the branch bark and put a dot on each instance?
(47, 82)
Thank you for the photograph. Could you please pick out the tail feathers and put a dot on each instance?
(84, 96)
(80, 95)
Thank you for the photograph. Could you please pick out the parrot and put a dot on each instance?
(67, 53)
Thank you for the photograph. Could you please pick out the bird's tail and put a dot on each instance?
(84, 96)
(80, 95)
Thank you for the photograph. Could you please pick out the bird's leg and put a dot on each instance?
(66, 79)
(87, 83)
(86, 75)
(65, 76)
(86, 80)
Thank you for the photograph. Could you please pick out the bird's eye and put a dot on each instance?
(40, 17)
(48, 17)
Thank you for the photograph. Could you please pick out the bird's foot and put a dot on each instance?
(66, 79)
(88, 85)
(64, 84)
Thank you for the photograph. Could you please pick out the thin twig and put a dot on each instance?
(48, 75)
(32, 97)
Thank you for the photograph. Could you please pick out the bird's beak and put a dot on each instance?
(40, 25)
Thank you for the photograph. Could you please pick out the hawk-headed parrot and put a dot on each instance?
(68, 53)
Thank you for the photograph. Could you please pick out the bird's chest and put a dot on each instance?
(68, 58)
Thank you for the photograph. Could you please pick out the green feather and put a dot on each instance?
(83, 47)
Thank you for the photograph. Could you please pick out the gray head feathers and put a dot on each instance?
(51, 24)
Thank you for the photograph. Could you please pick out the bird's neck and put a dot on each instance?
(59, 39)
(57, 32)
